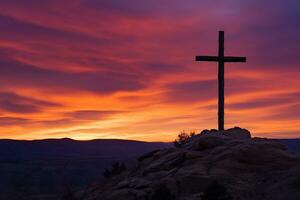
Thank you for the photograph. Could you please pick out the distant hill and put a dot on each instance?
(110, 148)
(291, 144)
(30, 169)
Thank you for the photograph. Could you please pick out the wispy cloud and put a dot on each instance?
(125, 69)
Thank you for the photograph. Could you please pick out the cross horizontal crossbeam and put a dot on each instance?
(221, 59)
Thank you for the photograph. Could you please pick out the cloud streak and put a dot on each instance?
(14, 103)
(97, 68)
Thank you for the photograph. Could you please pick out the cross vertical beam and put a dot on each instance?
(221, 59)
(221, 82)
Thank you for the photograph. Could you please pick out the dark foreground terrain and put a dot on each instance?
(47, 169)
(214, 165)
(50, 169)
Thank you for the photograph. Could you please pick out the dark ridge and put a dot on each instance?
(45, 167)
(28, 149)
(291, 144)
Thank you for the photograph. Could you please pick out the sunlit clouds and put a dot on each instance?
(125, 69)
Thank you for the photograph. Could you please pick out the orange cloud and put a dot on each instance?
(117, 69)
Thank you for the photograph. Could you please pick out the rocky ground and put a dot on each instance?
(220, 165)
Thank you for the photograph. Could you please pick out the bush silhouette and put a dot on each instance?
(161, 192)
(183, 138)
(116, 169)
(216, 191)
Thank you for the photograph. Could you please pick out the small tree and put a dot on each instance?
(192, 133)
(116, 169)
(183, 138)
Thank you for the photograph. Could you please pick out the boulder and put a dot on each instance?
(232, 133)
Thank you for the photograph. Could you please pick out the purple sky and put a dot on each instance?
(125, 68)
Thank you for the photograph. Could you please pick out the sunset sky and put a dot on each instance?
(125, 69)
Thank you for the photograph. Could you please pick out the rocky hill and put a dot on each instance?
(219, 165)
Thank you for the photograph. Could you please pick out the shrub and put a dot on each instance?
(116, 169)
(183, 138)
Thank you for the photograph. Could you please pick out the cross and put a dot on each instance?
(221, 59)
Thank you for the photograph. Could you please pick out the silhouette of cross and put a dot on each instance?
(221, 59)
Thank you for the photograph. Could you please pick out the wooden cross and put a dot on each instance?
(221, 59)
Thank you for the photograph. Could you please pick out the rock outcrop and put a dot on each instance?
(244, 168)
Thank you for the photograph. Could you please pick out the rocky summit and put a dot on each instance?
(216, 165)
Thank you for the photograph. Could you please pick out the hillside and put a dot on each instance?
(44, 169)
(222, 165)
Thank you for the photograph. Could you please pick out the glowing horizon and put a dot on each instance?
(94, 69)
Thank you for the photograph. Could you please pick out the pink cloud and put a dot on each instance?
(140, 55)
